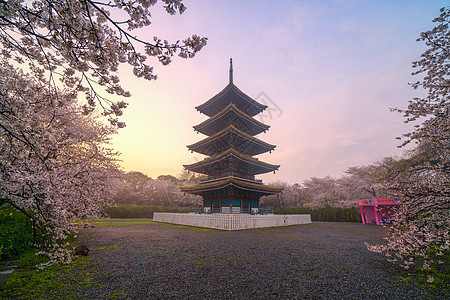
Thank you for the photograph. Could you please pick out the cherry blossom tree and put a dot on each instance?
(362, 182)
(80, 44)
(192, 177)
(422, 180)
(137, 188)
(133, 188)
(361, 178)
(55, 166)
(321, 192)
(288, 198)
(328, 191)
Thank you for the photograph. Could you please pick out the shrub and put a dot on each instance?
(327, 214)
(16, 234)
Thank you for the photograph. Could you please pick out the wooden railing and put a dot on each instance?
(233, 210)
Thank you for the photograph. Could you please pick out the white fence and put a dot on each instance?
(231, 221)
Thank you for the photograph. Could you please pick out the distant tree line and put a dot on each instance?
(140, 189)
(360, 182)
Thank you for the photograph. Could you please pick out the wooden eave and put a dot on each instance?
(235, 182)
(256, 165)
(253, 126)
(246, 103)
(205, 145)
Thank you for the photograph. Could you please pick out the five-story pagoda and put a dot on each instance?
(230, 145)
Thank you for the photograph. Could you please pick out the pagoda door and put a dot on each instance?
(246, 206)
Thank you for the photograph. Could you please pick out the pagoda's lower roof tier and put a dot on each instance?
(231, 115)
(231, 186)
(231, 160)
(231, 94)
(231, 137)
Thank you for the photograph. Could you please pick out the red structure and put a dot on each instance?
(230, 145)
(378, 210)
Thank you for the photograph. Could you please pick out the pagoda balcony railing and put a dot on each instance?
(211, 178)
(235, 210)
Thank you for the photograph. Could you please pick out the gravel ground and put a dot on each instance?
(316, 261)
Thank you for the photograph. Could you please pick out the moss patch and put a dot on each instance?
(143, 222)
(106, 248)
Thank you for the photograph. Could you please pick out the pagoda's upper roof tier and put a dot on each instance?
(231, 137)
(231, 94)
(231, 115)
(231, 160)
(232, 183)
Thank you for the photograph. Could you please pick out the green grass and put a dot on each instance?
(404, 278)
(437, 271)
(122, 222)
(118, 295)
(54, 282)
(133, 211)
(143, 222)
(16, 236)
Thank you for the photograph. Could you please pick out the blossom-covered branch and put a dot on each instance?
(422, 228)
(79, 41)
(55, 166)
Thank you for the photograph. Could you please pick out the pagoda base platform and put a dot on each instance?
(231, 221)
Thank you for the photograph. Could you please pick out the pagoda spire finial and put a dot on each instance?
(231, 70)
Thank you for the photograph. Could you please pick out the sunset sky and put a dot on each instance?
(329, 70)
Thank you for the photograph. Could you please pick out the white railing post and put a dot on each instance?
(231, 221)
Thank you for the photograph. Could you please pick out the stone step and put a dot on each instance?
(6, 268)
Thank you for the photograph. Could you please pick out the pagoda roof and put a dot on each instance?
(231, 137)
(231, 115)
(250, 165)
(231, 94)
(231, 182)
